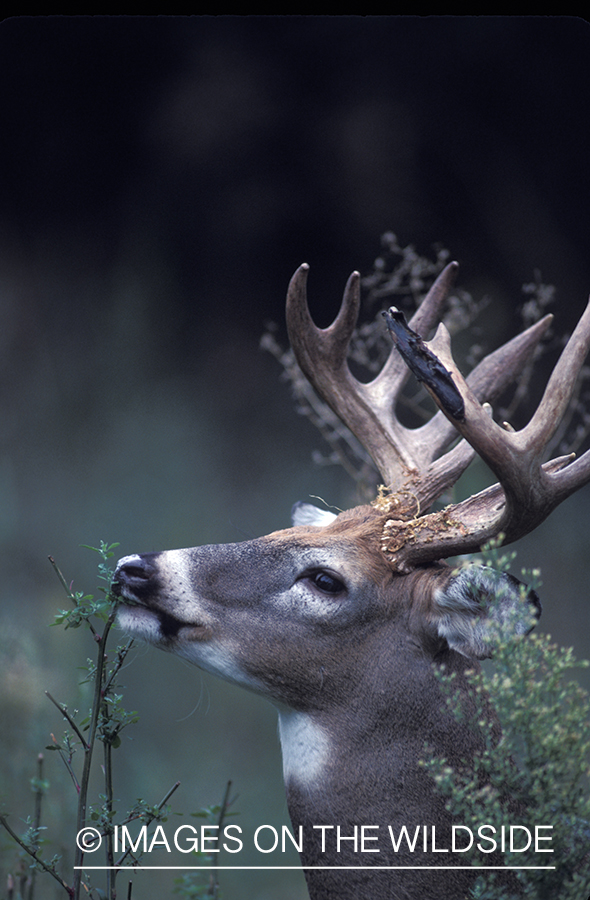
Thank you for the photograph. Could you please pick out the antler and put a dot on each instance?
(418, 460)
(529, 490)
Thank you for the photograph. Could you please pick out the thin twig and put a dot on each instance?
(149, 820)
(38, 860)
(84, 781)
(68, 764)
(121, 654)
(36, 821)
(69, 593)
(69, 719)
(214, 876)
(111, 874)
(167, 796)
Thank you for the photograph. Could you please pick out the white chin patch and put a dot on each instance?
(219, 661)
(139, 622)
(305, 746)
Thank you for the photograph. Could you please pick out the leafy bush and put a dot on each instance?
(537, 773)
(102, 725)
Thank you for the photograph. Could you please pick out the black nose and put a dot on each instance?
(134, 573)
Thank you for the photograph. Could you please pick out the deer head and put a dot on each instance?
(340, 620)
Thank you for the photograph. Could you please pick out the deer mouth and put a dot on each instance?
(136, 585)
(156, 625)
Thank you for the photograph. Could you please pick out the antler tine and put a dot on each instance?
(515, 457)
(560, 387)
(310, 342)
(531, 490)
(369, 409)
(492, 375)
(461, 528)
(498, 369)
(322, 356)
(440, 469)
(428, 314)
(394, 372)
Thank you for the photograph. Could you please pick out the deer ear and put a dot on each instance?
(307, 514)
(479, 606)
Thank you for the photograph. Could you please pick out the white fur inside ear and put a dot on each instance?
(307, 514)
(478, 606)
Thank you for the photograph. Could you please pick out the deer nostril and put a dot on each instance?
(134, 568)
(136, 571)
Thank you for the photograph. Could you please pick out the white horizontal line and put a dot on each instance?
(139, 868)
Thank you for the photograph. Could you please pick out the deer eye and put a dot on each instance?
(327, 583)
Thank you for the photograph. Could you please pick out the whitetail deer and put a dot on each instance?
(341, 620)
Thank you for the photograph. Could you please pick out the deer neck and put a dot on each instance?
(344, 770)
(359, 763)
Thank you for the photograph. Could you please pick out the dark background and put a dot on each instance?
(161, 180)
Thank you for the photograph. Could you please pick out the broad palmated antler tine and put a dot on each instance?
(423, 322)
